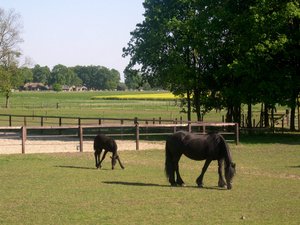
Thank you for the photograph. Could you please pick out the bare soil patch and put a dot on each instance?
(14, 145)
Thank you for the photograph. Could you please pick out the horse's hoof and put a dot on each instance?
(200, 185)
(181, 185)
(173, 185)
(229, 187)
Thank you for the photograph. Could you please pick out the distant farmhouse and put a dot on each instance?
(35, 87)
(42, 87)
(74, 88)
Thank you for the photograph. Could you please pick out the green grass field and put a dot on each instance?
(67, 189)
(81, 104)
(119, 105)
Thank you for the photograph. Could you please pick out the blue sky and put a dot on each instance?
(77, 32)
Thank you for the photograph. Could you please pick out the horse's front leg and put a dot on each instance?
(118, 158)
(103, 157)
(199, 180)
(221, 182)
(97, 158)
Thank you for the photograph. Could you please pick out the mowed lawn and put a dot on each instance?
(67, 189)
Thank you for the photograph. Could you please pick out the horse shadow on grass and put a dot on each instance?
(79, 167)
(141, 184)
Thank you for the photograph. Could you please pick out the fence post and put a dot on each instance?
(237, 134)
(10, 120)
(137, 136)
(24, 137)
(80, 139)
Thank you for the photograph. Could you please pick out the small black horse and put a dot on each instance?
(109, 145)
(198, 147)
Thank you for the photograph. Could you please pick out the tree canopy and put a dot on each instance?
(10, 29)
(220, 54)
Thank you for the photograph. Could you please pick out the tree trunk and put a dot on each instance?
(237, 114)
(249, 116)
(298, 107)
(266, 115)
(292, 118)
(197, 103)
(229, 114)
(189, 111)
(6, 100)
(293, 104)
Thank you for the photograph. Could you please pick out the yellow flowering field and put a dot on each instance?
(140, 96)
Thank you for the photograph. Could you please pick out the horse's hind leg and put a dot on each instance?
(118, 158)
(221, 182)
(97, 158)
(199, 180)
(172, 174)
(179, 180)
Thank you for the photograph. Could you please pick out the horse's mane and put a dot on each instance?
(220, 140)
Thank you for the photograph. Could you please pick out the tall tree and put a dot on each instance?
(41, 74)
(220, 53)
(98, 77)
(10, 29)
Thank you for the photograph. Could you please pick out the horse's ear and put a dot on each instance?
(233, 165)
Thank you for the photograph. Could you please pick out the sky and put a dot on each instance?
(76, 32)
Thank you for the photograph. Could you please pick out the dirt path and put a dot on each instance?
(14, 146)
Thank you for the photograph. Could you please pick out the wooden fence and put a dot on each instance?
(81, 130)
(35, 120)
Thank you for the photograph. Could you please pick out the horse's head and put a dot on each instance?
(229, 174)
(113, 161)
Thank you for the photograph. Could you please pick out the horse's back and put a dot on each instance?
(104, 142)
(196, 147)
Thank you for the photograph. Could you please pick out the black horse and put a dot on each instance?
(109, 145)
(198, 147)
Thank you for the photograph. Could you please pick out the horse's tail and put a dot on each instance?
(168, 160)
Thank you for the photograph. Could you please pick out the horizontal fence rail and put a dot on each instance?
(36, 120)
(135, 130)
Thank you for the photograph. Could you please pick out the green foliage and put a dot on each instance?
(57, 87)
(98, 77)
(224, 52)
(41, 74)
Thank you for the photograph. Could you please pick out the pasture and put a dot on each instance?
(84, 104)
(109, 104)
(65, 188)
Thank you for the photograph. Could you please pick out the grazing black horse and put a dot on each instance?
(109, 145)
(198, 147)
